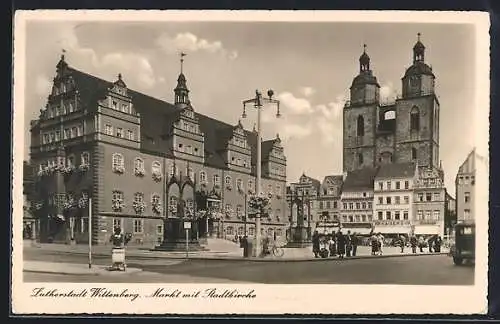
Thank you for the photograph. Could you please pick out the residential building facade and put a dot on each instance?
(144, 161)
(465, 186)
(393, 198)
(430, 203)
(357, 194)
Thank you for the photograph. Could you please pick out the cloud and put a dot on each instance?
(329, 120)
(387, 91)
(42, 85)
(298, 131)
(189, 42)
(294, 105)
(135, 68)
(307, 91)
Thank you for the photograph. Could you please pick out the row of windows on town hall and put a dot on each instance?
(70, 161)
(108, 130)
(138, 228)
(63, 109)
(68, 133)
(119, 197)
(118, 162)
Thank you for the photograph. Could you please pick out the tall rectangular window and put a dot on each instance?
(436, 215)
(130, 135)
(466, 197)
(407, 184)
(398, 185)
(428, 197)
(466, 214)
(380, 215)
(397, 200)
(388, 215)
(138, 226)
(119, 132)
(388, 185)
(108, 129)
(388, 200)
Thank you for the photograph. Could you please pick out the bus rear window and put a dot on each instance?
(467, 230)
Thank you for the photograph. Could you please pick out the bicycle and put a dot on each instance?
(277, 250)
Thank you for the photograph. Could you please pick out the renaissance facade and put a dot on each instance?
(143, 162)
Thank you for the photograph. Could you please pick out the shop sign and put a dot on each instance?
(391, 222)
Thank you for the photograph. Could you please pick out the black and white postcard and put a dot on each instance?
(250, 162)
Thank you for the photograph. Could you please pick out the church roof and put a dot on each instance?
(157, 117)
(365, 77)
(419, 68)
(396, 170)
(361, 179)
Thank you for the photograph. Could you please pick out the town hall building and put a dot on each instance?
(147, 164)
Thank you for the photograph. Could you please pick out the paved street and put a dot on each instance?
(414, 270)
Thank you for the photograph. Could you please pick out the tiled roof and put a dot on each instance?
(396, 170)
(360, 179)
(157, 117)
(334, 179)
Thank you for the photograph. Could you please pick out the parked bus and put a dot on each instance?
(464, 247)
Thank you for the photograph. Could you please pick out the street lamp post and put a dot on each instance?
(258, 103)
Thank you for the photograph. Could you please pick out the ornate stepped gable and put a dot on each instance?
(156, 118)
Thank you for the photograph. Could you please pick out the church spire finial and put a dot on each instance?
(418, 36)
(63, 52)
(364, 48)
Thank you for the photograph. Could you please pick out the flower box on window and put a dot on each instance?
(139, 206)
(82, 202)
(118, 169)
(118, 205)
(157, 176)
(68, 170)
(140, 172)
(156, 207)
(84, 167)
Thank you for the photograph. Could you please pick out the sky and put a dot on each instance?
(309, 65)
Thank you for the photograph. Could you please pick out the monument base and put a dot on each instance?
(298, 244)
(179, 246)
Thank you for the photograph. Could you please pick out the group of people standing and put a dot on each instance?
(335, 244)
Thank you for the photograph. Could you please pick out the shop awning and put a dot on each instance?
(392, 229)
(357, 230)
(427, 229)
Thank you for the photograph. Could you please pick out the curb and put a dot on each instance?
(254, 259)
(68, 273)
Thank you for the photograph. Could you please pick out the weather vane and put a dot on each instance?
(182, 59)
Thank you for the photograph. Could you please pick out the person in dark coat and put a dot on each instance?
(341, 244)
(348, 244)
(437, 244)
(354, 243)
(413, 243)
(315, 242)
(431, 243)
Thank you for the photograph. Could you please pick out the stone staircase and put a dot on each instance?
(222, 245)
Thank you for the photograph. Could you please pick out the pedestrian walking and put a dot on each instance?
(402, 242)
(437, 244)
(354, 243)
(374, 244)
(341, 244)
(348, 244)
(413, 243)
(332, 246)
(315, 242)
(431, 243)
(421, 243)
(380, 239)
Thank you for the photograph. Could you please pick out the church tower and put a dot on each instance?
(360, 118)
(417, 113)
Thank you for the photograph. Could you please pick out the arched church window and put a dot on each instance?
(414, 119)
(360, 159)
(413, 153)
(360, 126)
